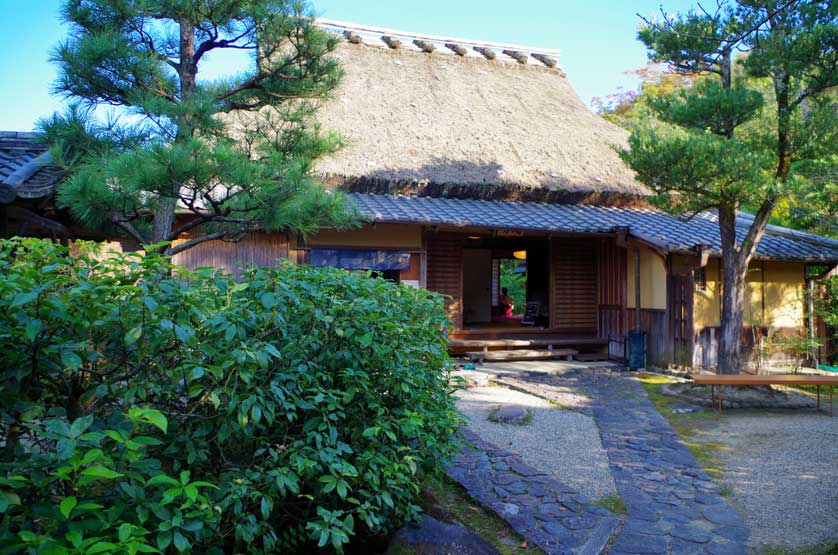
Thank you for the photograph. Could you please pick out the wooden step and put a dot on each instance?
(513, 343)
(521, 354)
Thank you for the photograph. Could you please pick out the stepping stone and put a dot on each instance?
(719, 548)
(691, 533)
(640, 544)
(733, 533)
(508, 509)
(510, 414)
(685, 408)
(722, 514)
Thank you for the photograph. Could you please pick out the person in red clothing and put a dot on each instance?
(506, 302)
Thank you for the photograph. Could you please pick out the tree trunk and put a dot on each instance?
(733, 294)
(164, 216)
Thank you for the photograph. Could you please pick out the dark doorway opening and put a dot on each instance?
(506, 282)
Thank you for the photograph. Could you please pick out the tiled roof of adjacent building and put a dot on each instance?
(665, 231)
(24, 167)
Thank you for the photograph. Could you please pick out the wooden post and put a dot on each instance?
(811, 302)
(637, 289)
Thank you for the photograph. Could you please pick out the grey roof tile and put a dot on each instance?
(671, 233)
(24, 168)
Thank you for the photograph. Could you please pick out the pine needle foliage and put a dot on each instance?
(753, 128)
(230, 155)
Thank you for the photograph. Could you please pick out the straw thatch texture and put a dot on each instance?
(469, 127)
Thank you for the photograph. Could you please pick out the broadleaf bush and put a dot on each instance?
(145, 408)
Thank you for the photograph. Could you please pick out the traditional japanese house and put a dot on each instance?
(466, 158)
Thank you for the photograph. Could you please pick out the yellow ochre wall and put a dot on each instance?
(652, 280)
(707, 303)
(774, 295)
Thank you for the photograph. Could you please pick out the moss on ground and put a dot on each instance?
(446, 500)
(613, 503)
(825, 549)
(687, 425)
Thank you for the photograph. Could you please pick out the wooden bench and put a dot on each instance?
(722, 380)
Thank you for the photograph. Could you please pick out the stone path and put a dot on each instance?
(546, 512)
(673, 507)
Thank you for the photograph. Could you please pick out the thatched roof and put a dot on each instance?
(443, 124)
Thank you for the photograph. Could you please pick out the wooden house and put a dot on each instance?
(461, 154)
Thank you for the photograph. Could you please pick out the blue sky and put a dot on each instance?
(596, 39)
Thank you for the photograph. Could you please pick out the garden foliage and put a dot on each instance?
(151, 410)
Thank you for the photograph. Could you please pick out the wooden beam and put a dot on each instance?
(424, 45)
(353, 37)
(487, 53)
(458, 49)
(520, 57)
(703, 254)
(27, 216)
(621, 233)
(549, 61)
(435, 38)
(392, 42)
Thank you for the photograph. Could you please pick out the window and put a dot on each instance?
(700, 279)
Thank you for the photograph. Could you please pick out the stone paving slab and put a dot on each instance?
(549, 514)
(673, 507)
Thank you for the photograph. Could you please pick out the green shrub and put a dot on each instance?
(291, 408)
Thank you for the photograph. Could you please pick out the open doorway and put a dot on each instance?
(506, 283)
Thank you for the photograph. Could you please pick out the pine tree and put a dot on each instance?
(229, 155)
(715, 150)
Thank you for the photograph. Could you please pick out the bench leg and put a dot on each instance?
(721, 399)
(830, 401)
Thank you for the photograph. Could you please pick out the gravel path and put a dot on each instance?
(562, 443)
(784, 472)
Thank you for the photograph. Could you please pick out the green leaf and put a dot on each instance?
(8, 498)
(99, 471)
(162, 480)
(31, 330)
(163, 540)
(67, 505)
(150, 303)
(132, 336)
(183, 334)
(181, 543)
(70, 360)
(125, 532)
(23, 298)
(79, 426)
(101, 547)
(156, 418)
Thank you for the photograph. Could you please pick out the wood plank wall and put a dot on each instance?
(655, 323)
(611, 292)
(259, 249)
(574, 271)
(444, 272)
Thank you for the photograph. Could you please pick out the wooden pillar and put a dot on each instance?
(637, 289)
